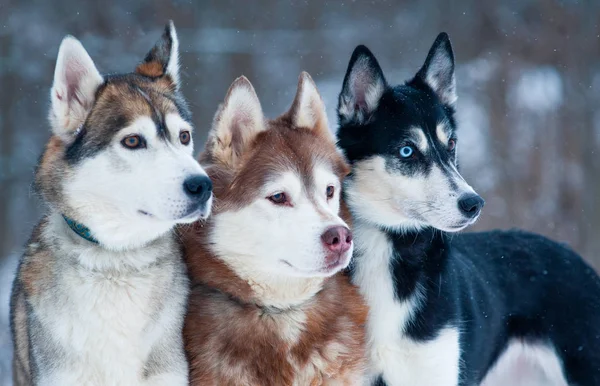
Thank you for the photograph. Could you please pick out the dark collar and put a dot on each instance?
(80, 229)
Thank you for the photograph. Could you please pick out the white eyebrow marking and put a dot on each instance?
(422, 139)
(440, 131)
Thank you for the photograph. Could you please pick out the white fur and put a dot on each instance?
(440, 77)
(173, 65)
(311, 109)
(104, 317)
(525, 364)
(407, 202)
(241, 109)
(440, 132)
(401, 360)
(129, 197)
(422, 143)
(76, 80)
(278, 249)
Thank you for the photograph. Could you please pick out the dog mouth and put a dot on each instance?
(331, 267)
(193, 213)
(200, 213)
(338, 263)
(459, 226)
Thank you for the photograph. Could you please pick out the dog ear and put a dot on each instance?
(237, 122)
(308, 109)
(363, 87)
(438, 70)
(73, 92)
(163, 58)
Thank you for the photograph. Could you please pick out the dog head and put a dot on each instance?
(120, 159)
(277, 187)
(401, 141)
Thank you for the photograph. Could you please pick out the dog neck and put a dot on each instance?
(413, 256)
(281, 292)
(59, 235)
(261, 289)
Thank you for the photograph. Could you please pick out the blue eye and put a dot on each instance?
(278, 198)
(406, 151)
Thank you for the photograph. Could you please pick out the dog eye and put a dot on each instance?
(406, 151)
(330, 191)
(278, 198)
(133, 142)
(451, 144)
(185, 137)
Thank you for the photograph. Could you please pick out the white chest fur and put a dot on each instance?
(400, 359)
(105, 322)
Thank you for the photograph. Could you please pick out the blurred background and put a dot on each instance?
(528, 82)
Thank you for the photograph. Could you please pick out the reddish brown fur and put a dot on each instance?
(150, 69)
(231, 338)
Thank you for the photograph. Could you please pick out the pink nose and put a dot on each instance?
(337, 239)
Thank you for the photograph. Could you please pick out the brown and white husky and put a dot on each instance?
(100, 294)
(269, 305)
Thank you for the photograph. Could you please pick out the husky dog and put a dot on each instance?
(268, 304)
(101, 291)
(450, 310)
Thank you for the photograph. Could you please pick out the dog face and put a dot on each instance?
(277, 187)
(402, 144)
(120, 160)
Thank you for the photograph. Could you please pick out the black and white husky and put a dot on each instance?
(101, 290)
(450, 310)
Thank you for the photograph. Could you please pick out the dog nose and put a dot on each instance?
(198, 187)
(470, 204)
(337, 239)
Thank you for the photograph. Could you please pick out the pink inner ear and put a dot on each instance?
(74, 73)
(360, 83)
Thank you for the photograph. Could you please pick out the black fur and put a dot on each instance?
(493, 286)
(383, 130)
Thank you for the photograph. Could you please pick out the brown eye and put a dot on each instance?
(330, 191)
(278, 198)
(133, 142)
(451, 144)
(185, 137)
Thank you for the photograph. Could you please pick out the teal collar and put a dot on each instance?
(80, 229)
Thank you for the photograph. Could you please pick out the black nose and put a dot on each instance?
(470, 204)
(198, 187)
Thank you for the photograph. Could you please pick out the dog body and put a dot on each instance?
(81, 325)
(268, 305)
(464, 309)
(100, 293)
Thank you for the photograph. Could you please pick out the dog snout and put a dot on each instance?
(470, 204)
(337, 239)
(198, 187)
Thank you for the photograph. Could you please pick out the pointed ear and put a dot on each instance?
(73, 92)
(438, 70)
(308, 109)
(163, 58)
(363, 87)
(237, 122)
